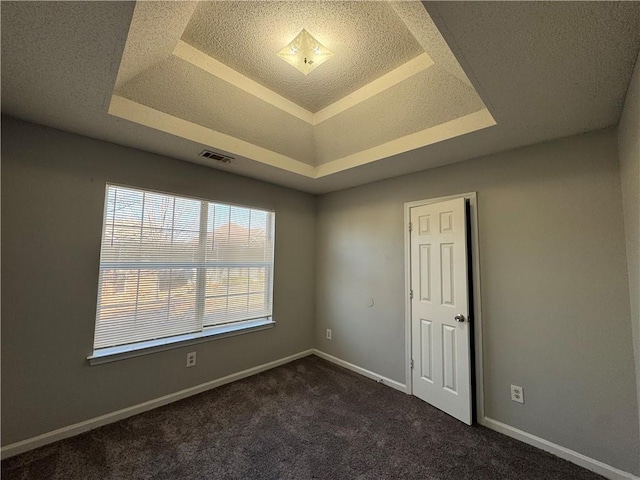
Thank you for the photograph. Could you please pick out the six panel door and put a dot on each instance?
(440, 330)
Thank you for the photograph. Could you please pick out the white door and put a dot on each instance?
(440, 330)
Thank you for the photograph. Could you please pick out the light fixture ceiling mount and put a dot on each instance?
(305, 52)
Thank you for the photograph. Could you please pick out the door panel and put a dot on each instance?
(427, 350)
(440, 344)
(447, 274)
(425, 273)
(449, 358)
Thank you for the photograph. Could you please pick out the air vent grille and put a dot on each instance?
(216, 156)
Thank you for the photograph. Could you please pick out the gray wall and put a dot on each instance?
(53, 186)
(629, 150)
(553, 265)
(554, 287)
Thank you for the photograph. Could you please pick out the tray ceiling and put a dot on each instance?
(368, 39)
(392, 85)
(545, 70)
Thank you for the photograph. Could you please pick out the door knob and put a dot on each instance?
(459, 318)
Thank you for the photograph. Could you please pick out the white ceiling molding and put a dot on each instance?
(147, 116)
(400, 74)
(532, 65)
(454, 128)
(135, 112)
(153, 89)
(368, 39)
(210, 65)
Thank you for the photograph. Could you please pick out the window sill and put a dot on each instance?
(113, 354)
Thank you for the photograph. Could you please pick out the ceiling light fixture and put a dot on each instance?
(305, 52)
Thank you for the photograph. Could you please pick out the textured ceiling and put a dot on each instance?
(545, 70)
(180, 89)
(146, 43)
(243, 99)
(368, 39)
(427, 99)
(570, 58)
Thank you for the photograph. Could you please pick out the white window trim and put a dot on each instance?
(208, 333)
(113, 354)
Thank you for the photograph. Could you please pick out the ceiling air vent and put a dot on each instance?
(216, 156)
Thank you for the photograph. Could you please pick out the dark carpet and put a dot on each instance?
(308, 419)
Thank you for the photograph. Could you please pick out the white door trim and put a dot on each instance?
(475, 284)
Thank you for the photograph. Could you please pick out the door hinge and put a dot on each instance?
(410, 226)
(411, 294)
(412, 364)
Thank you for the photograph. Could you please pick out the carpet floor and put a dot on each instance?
(308, 419)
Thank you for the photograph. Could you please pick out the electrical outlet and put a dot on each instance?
(191, 359)
(517, 394)
(328, 334)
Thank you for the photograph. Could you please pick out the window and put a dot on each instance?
(179, 268)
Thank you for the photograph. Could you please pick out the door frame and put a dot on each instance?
(475, 285)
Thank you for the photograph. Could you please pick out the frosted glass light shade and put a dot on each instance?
(305, 53)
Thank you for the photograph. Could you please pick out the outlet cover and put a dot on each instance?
(191, 359)
(517, 394)
(328, 334)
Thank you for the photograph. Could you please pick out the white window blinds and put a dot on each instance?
(172, 266)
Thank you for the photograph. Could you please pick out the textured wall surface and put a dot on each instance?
(53, 187)
(554, 288)
(629, 151)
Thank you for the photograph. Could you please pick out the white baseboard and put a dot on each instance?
(29, 444)
(367, 373)
(78, 428)
(574, 457)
